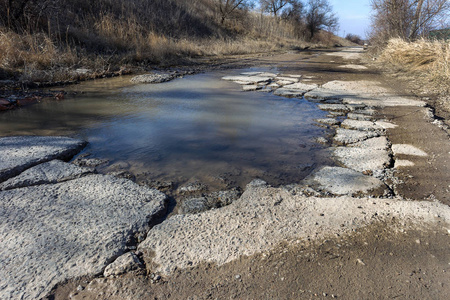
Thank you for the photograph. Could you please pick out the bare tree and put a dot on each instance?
(295, 11)
(274, 6)
(320, 15)
(407, 19)
(354, 38)
(227, 7)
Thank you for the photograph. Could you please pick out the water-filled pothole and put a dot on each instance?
(195, 129)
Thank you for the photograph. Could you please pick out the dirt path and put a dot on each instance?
(383, 257)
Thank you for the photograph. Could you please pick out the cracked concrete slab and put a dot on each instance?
(349, 136)
(249, 79)
(334, 107)
(294, 90)
(328, 121)
(383, 101)
(50, 172)
(406, 149)
(343, 181)
(265, 217)
(251, 87)
(362, 159)
(399, 163)
(365, 92)
(359, 116)
(361, 125)
(323, 93)
(51, 233)
(19, 153)
(376, 143)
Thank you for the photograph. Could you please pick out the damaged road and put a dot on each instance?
(363, 228)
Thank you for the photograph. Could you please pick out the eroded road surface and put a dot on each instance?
(374, 224)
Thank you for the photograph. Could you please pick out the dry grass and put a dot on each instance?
(105, 35)
(35, 57)
(428, 59)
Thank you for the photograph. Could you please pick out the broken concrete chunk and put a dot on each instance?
(334, 107)
(268, 74)
(367, 111)
(156, 77)
(265, 217)
(363, 159)
(328, 121)
(385, 125)
(359, 116)
(22, 152)
(294, 75)
(288, 79)
(348, 136)
(407, 150)
(194, 205)
(342, 181)
(403, 163)
(192, 187)
(210, 201)
(248, 79)
(123, 264)
(89, 162)
(324, 94)
(294, 90)
(361, 125)
(252, 87)
(284, 82)
(321, 140)
(256, 183)
(383, 101)
(51, 233)
(224, 198)
(376, 143)
(50, 172)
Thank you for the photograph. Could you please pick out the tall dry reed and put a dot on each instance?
(429, 59)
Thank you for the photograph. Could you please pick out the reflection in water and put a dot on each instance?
(198, 127)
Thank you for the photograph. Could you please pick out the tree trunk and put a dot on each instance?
(414, 26)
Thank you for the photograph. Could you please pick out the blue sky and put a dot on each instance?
(354, 16)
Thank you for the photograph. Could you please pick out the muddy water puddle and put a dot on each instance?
(198, 128)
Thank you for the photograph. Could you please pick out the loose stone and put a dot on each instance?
(123, 264)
